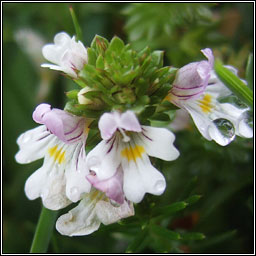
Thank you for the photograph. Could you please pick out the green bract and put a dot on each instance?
(119, 78)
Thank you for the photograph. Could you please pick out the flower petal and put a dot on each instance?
(81, 220)
(107, 125)
(67, 127)
(75, 173)
(49, 186)
(109, 214)
(33, 144)
(129, 122)
(54, 52)
(112, 187)
(141, 177)
(160, 139)
(40, 111)
(104, 158)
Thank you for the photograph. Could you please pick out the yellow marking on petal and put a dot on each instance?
(205, 103)
(132, 153)
(168, 97)
(57, 154)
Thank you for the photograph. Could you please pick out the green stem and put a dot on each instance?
(76, 25)
(43, 231)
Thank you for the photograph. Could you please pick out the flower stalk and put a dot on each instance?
(44, 230)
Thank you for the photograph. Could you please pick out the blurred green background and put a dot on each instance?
(222, 175)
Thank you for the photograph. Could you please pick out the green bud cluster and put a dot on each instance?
(119, 78)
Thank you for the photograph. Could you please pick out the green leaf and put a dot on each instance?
(157, 58)
(170, 209)
(193, 236)
(72, 94)
(193, 199)
(116, 45)
(234, 84)
(91, 56)
(99, 44)
(249, 72)
(76, 25)
(137, 242)
(100, 62)
(165, 233)
(141, 86)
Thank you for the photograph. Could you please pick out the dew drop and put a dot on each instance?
(224, 133)
(225, 127)
(160, 186)
(74, 193)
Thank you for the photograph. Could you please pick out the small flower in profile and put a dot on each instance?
(94, 208)
(68, 55)
(60, 140)
(124, 152)
(197, 89)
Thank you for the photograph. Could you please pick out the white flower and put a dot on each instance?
(197, 90)
(95, 208)
(68, 55)
(126, 146)
(61, 142)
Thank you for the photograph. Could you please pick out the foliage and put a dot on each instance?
(208, 204)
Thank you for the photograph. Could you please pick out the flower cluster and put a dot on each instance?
(120, 96)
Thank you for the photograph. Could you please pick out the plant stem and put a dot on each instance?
(43, 231)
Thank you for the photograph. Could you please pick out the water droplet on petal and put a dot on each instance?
(224, 133)
(74, 194)
(225, 127)
(160, 186)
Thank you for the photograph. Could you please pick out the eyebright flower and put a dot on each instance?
(197, 89)
(94, 208)
(60, 140)
(125, 148)
(68, 55)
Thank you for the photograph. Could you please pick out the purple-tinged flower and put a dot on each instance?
(192, 79)
(68, 55)
(197, 89)
(113, 186)
(60, 140)
(94, 208)
(126, 147)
